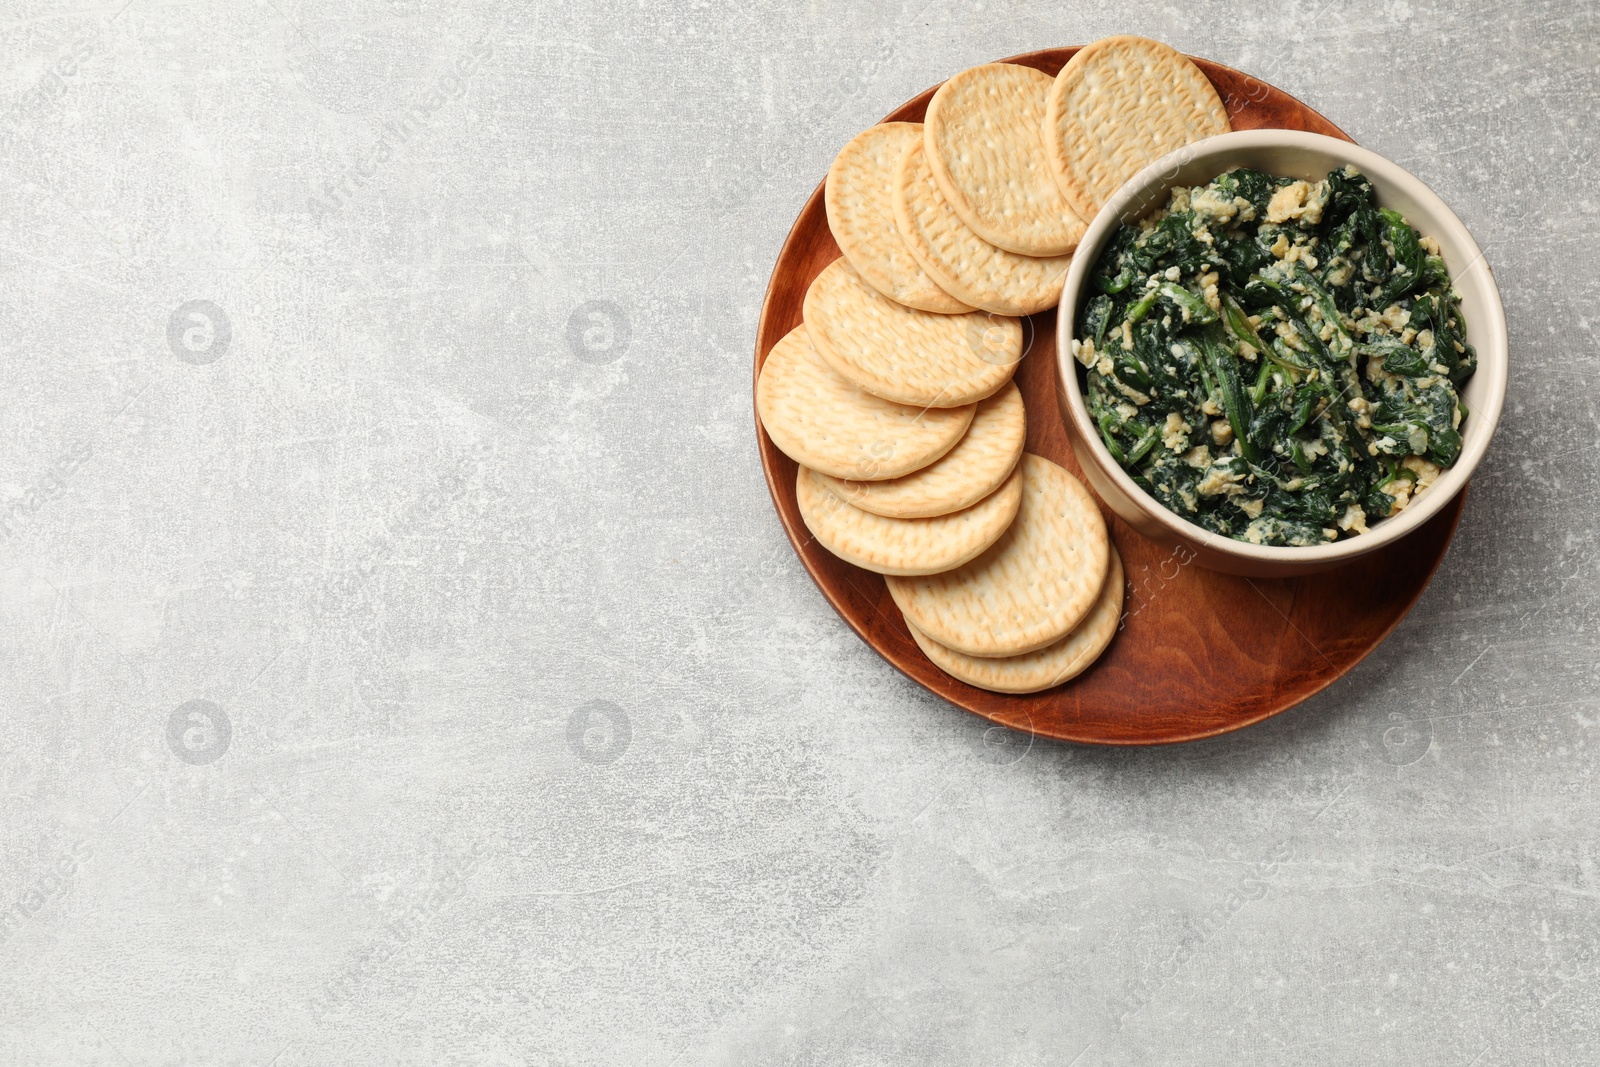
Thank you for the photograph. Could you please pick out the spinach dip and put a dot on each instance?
(1276, 360)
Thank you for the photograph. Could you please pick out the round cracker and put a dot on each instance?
(904, 546)
(970, 471)
(983, 138)
(1119, 105)
(822, 421)
(859, 197)
(984, 275)
(1049, 666)
(1032, 587)
(906, 355)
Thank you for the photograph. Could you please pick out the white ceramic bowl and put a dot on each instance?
(1297, 155)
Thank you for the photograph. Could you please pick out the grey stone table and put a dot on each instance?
(403, 663)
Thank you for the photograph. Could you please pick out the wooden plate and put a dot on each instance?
(1199, 653)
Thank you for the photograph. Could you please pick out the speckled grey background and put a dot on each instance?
(402, 662)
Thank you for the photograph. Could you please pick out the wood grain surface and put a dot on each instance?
(1199, 653)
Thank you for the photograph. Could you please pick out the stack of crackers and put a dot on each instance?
(894, 395)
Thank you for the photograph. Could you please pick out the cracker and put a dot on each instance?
(963, 263)
(906, 355)
(970, 471)
(1119, 105)
(859, 197)
(904, 546)
(822, 421)
(983, 136)
(1049, 666)
(1032, 587)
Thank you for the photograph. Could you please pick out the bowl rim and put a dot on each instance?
(1491, 340)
